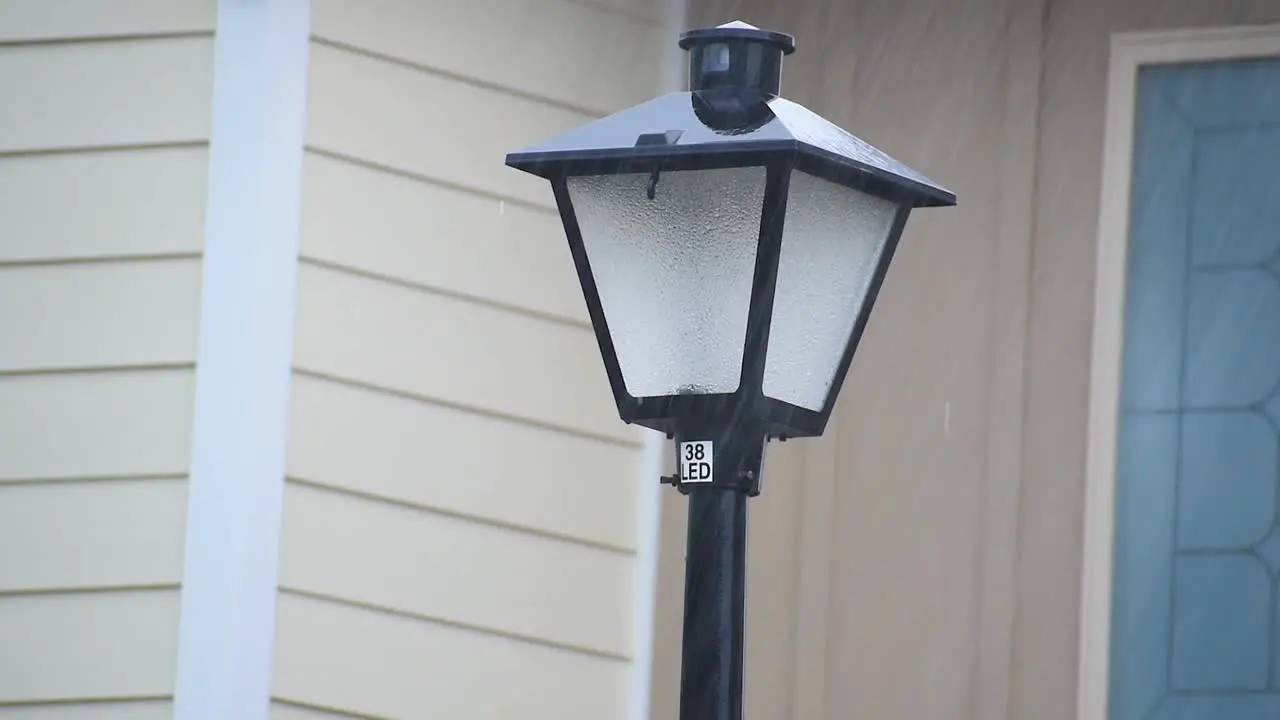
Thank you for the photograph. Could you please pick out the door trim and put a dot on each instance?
(1129, 52)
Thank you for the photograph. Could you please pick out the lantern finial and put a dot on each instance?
(735, 69)
(736, 57)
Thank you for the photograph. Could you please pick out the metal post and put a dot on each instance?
(711, 678)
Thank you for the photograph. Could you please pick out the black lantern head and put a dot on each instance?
(730, 243)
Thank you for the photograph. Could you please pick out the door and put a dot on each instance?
(1195, 620)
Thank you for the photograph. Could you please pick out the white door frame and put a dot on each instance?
(1129, 52)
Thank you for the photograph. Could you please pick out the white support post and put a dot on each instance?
(227, 627)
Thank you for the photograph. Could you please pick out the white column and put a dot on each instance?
(227, 628)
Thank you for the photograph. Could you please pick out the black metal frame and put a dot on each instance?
(671, 413)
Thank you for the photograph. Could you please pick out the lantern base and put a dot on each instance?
(720, 455)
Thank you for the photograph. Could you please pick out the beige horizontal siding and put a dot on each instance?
(93, 315)
(117, 203)
(461, 511)
(438, 237)
(95, 94)
(87, 645)
(91, 534)
(430, 456)
(109, 710)
(108, 424)
(453, 350)
(426, 124)
(365, 661)
(456, 571)
(103, 157)
(573, 53)
(34, 20)
(284, 711)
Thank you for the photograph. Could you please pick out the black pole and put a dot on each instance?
(714, 608)
(711, 677)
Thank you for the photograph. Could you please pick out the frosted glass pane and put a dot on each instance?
(830, 244)
(674, 273)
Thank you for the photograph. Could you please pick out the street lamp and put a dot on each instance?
(730, 245)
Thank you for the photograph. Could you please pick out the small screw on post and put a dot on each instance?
(674, 481)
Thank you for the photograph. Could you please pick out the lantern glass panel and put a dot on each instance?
(674, 273)
(832, 241)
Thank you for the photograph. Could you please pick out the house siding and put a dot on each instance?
(925, 554)
(461, 505)
(103, 153)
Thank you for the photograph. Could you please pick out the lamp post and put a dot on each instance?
(730, 245)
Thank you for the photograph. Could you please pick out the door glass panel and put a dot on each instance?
(1196, 605)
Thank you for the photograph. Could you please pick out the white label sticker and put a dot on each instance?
(696, 461)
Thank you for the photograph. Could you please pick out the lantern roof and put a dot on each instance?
(676, 125)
